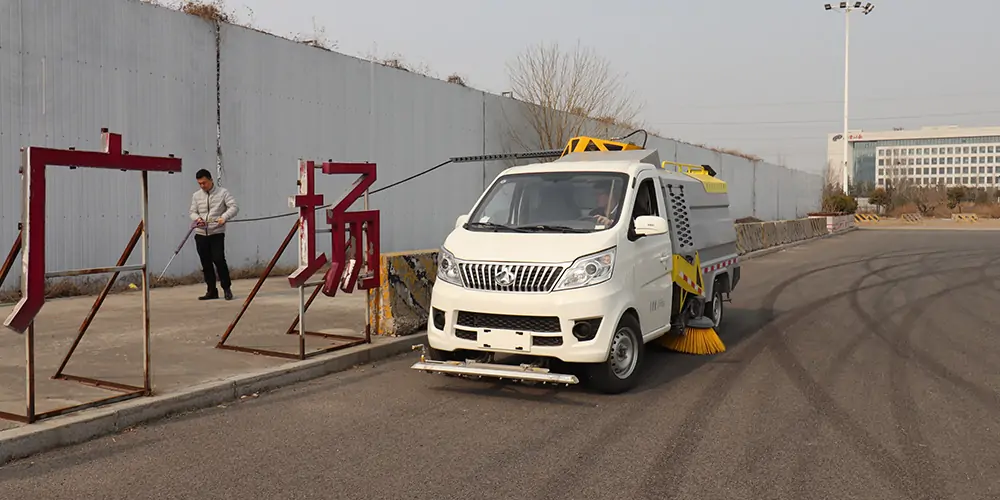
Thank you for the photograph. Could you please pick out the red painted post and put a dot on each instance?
(307, 202)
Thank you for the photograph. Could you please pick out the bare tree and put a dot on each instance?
(568, 94)
(831, 181)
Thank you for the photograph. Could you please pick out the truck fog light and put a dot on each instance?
(438, 316)
(586, 329)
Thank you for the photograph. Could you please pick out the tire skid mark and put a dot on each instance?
(522, 450)
(760, 449)
(665, 472)
(880, 458)
(902, 349)
(903, 407)
(811, 427)
(688, 434)
(973, 314)
(560, 481)
(669, 467)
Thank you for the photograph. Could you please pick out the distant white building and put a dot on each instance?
(949, 155)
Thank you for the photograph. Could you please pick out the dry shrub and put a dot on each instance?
(990, 211)
(942, 211)
(905, 208)
(457, 80)
(212, 11)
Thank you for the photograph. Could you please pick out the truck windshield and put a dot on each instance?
(569, 202)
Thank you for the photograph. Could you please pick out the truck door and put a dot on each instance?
(651, 274)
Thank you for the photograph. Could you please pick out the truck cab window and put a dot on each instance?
(552, 202)
(498, 209)
(645, 200)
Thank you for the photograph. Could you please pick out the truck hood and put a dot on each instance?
(526, 247)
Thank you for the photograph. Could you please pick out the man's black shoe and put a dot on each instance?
(229, 295)
(210, 296)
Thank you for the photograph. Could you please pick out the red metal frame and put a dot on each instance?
(359, 227)
(34, 162)
(357, 224)
(31, 244)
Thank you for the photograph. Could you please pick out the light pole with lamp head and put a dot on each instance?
(847, 8)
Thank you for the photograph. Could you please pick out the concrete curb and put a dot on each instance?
(767, 251)
(86, 425)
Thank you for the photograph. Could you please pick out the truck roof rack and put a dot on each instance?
(584, 143)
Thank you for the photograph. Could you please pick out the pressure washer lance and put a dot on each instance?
(179, 247)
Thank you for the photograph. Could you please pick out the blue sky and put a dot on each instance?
(762, 77)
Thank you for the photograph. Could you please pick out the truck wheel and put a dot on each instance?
(621, 370)
(714, 310)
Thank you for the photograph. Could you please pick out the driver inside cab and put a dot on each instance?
(602, 213)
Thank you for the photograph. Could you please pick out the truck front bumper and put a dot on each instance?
(473, 369)
(523, 323)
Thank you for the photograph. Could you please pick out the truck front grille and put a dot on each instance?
(529, 278)
(509, 322)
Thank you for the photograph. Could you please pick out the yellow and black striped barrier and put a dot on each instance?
(911, 218)
(965, 217)
(402, 302)
(866, 218)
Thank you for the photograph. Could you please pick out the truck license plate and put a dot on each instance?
(505, 340)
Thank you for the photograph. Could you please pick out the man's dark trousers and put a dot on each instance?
(212, 250)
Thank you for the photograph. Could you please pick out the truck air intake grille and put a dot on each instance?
(546, 341)
(510, 277)
(509, 322)
(465, 334)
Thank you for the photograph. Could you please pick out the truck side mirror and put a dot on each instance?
(650, 225)
(462, 219)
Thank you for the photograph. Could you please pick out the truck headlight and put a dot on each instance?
(447, 270)
(588, 270)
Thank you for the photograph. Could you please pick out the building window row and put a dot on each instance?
(921, 143)
(951, 181)
(882, 172)
(939, 151)
(948, 160)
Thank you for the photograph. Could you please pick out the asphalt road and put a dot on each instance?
(862, 366)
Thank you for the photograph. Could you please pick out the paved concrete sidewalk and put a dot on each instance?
(184, 332)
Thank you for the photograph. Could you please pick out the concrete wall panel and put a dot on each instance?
(144, 72)
(69, 68)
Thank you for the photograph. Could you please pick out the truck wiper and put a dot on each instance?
(547, 227)
(493, 226)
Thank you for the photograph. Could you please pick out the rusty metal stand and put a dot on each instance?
(342, 341)
(127, 391)
(356, 224)
(32, 240)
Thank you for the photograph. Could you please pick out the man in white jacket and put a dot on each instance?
(211, 207)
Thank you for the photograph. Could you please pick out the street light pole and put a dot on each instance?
(847, 8)
(845, 181)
